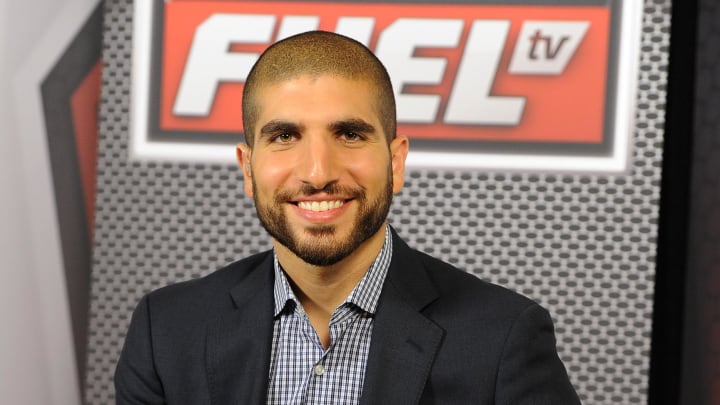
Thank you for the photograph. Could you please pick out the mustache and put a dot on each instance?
(331, 189)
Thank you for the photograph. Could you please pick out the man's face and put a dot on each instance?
(320, 170)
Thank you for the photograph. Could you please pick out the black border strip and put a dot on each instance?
(672, 246)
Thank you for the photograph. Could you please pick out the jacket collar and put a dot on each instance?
(403, 347)
(239, 340)
(404, 341)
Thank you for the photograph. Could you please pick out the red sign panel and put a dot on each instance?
(460, 72)
(541, 86)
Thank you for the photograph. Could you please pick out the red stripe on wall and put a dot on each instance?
(84, 105)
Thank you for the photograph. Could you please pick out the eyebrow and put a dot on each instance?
(352, 125)
(278, 126)
(348, 125)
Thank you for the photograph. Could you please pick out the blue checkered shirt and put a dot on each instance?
(301, 371)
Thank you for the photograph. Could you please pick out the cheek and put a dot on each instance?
(271, 174)
(370, 172)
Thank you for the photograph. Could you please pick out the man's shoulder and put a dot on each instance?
(444, 272)
(456, 288)
(459, 287)
(211, 287)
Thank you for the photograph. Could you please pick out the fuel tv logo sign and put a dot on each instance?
(527, 87)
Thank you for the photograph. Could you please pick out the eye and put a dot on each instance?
(351, 136)
(284, 137)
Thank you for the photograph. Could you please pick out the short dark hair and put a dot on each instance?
(318, 53)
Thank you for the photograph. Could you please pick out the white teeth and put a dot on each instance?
(320, 206)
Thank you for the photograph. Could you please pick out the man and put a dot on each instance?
(341, 311)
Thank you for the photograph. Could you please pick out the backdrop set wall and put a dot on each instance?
(579, 240)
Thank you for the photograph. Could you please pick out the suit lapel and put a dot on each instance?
(404, 342)
(239, 340)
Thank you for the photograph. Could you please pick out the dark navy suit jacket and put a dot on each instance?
(440, 336)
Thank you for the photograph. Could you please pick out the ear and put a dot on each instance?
(244, 154)
(398, 153)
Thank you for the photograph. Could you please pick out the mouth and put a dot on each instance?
(320, 206)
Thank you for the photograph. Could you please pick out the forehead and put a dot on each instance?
(317, 95)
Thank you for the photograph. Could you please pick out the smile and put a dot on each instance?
(320, 206)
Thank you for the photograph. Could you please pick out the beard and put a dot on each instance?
(324, 247)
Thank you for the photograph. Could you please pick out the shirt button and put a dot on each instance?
(319, 369)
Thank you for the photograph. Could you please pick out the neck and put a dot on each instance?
(324, 288)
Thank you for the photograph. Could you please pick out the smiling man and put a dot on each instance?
(341, 311)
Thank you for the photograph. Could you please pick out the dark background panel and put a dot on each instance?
(701, 348)
(671, 269)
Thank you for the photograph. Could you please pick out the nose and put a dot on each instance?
(318, 163)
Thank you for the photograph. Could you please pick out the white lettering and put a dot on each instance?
(210, 62)
(546, 47)
(357, 28)
(470, 101)
(396, 47)
(543, 47)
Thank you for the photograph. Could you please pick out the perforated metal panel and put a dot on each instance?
(582, 245)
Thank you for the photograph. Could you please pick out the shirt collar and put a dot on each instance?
(365, 294)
